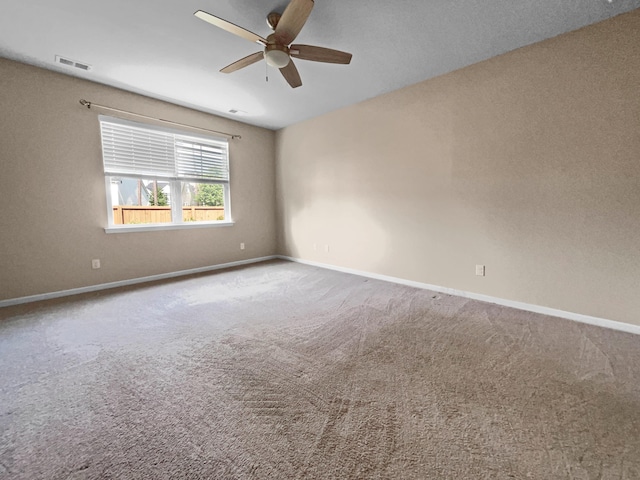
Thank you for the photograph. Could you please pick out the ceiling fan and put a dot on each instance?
(277, 46)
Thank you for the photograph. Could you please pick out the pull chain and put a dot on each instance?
(266, 68)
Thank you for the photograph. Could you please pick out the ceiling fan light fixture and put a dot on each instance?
(277, 56)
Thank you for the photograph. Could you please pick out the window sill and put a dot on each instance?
(152, 227)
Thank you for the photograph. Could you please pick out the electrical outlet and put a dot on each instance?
(95, 263)
(480, 270)
(242, 246)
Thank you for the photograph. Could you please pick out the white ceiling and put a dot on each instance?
(158, 48)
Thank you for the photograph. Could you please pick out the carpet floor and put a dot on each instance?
(285, 371)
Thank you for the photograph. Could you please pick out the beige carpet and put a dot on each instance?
(282, 371)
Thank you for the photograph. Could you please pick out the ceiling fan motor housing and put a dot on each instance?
(272, 20)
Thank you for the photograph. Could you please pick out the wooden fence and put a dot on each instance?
(131, 214)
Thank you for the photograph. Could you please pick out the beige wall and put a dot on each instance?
(52, 192)
(528, 163)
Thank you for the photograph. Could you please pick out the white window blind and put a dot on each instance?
(198, 160)
(131, 148)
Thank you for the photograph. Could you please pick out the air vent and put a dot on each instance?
(72, 63)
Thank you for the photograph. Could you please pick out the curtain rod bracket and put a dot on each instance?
(88, 104)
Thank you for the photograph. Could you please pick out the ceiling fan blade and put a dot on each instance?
(292, 20)
(291, 75)
(230, 27)
(243, 62)
(319, 54)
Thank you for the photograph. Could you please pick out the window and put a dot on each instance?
(159, 177)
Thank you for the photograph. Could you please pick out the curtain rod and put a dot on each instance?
(88, 104)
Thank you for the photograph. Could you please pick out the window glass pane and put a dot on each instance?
(140, 200)
(202, 202)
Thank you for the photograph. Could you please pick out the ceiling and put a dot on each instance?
(160, 49)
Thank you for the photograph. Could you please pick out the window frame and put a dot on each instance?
(175, 184)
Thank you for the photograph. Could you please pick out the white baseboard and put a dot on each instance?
(133, 281)
(578, 317)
